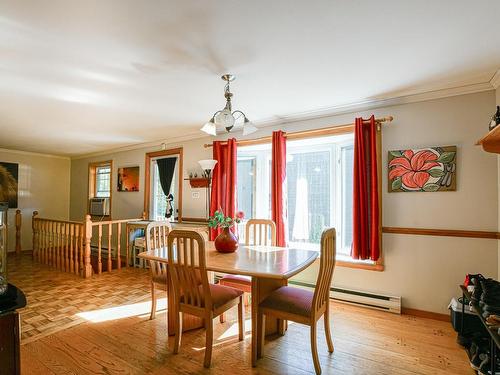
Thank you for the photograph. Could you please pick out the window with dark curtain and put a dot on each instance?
(166, 168)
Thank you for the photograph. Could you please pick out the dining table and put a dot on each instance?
(269, 267)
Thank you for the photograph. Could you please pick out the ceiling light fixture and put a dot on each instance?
(227, 117)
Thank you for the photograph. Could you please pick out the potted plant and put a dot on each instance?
(226, 241)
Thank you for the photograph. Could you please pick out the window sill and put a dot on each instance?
(378, 266)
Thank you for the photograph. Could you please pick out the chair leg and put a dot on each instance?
(153, 301)
(209, 340)
(314, 349)
(262, 333)
(241, 320)
(178, 333)
(328, 334)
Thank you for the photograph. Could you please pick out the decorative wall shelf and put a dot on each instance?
(491, 141)
(198, 182)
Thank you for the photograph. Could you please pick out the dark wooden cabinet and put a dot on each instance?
(10, 332)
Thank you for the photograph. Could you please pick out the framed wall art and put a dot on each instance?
(9, 183)
(128, 179)
(426, 170)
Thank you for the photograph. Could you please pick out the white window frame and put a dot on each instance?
(154, 188)
(332, 144)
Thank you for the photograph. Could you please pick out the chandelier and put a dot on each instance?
(227, 117)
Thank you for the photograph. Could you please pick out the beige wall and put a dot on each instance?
(425, 271)
(44, 182)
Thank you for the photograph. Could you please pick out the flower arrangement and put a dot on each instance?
(219, 220)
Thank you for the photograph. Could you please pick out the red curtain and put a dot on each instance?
(366, 235)
(278, 206)
(223, 194)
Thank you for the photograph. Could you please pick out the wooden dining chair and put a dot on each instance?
(156, 238)
(193, 294)
(304, 306)
(263, 233)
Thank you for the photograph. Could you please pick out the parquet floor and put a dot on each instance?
(55, 298)
(116, 336)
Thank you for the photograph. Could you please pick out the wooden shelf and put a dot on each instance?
(491, 141)
(198, 182)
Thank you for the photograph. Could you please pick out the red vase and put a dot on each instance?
(226, 242)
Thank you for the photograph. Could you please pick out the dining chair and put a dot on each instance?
(263, 233)
(193, 294)
(156, 238)
(304, 306)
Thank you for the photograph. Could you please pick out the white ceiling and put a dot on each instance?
(83, 76)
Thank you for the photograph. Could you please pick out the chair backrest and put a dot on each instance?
(156, 238)
(157, 234)
(263, 231)
(326, 267)
(187, 267)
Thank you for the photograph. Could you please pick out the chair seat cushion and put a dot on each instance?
(238, 279)
(291, 300)
(240, 282)
(223, 294)
(220, 294)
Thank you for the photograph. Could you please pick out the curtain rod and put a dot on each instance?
(336, 129)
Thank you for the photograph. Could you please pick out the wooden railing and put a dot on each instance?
(68, 245)
(59, 244)
(113, 234)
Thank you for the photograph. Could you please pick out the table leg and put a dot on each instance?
(261, 288)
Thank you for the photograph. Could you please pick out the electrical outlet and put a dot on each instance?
(195, 195)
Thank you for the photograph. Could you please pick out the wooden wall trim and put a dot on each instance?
(442, 232)
(425, 314)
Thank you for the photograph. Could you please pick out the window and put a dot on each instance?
(100, 180)
(156, 202)
(103, 181)
(319, 188)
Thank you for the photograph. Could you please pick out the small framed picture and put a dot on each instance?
(128, 179)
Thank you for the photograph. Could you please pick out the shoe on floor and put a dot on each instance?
(484, 366)
(477, 360)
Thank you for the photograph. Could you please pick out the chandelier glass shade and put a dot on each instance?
(227, 117)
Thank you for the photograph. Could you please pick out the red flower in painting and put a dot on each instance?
(413, 168)
(240, 215)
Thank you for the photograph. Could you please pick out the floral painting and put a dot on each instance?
(429, 169)
(128, 179)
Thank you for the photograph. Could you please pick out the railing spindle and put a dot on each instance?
(118, 245)
(110, 232)
(99, 249)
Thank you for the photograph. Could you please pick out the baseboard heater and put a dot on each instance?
(353, 297)
(364, 299)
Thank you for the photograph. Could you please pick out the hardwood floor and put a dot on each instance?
(119, 338)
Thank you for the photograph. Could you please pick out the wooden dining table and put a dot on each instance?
(270, 267)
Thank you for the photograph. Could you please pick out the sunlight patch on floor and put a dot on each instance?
(232, 331)
(120, 312)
